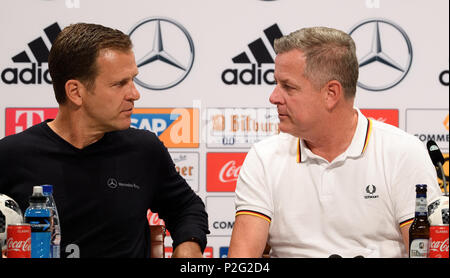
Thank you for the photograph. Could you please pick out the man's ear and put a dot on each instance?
(74, 91)
(333, 93)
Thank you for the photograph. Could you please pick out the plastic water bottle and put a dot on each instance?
(39, 218)
(56, 228)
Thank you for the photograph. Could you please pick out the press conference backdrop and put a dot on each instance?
(211, 102)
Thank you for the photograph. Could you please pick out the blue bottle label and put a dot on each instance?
(40, 222)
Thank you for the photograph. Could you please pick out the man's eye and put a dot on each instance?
(287, 87)
(119, 84)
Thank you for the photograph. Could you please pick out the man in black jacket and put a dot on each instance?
(105, 174)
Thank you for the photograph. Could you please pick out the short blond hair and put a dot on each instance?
(330, 55)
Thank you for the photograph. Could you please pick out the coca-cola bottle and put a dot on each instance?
(419, 232)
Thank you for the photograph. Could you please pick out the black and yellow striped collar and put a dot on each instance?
(359, 142)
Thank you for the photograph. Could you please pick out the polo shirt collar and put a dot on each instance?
(357, 147)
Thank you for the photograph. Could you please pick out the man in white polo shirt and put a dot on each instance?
(333, 182)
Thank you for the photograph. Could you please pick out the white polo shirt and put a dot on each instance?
(352, 206)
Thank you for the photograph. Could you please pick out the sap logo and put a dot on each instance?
(156, 123)
(175, 127)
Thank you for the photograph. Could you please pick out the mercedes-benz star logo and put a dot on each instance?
(388, 72)
(112, 183)
(171, 54)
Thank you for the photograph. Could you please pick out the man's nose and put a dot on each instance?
(134, 94)
(275, 97)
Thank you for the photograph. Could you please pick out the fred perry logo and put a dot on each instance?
(370, 192)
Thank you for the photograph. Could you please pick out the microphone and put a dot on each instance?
(438, 160)
(336, 256)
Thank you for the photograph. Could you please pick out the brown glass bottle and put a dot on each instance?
(419, 232)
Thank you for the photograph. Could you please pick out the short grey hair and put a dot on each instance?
(330, 55)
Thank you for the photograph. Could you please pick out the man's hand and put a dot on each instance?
(187, 249)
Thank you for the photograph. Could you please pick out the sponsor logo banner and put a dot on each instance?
(153, 219)
(19, 119)
(223, 252)
(187, 165)
(223, 171)
(32, 69)
(255, 65)
(175, 127)
(389, 116)
(240, 127)
(208, 253)
(221, 214)
(429, 124)
(166, 60)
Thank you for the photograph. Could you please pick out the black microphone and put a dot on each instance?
(2, 230)
(2, 223)
(438, 160)
(334, 256)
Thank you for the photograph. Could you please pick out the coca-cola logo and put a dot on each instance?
(223, 171)
(229, 172)
(439, 245)
(389, 116)
(154, 220)
(18, 245)
(380, 119)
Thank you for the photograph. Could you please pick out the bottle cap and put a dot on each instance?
(37, 190)
(421, 186)
(47, 189)
(37, 196)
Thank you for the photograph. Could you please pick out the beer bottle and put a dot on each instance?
(419, 232)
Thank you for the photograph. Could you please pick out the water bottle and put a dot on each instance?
(56, 228)
(39, 218)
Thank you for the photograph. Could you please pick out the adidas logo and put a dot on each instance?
(34, 74)
(260, 72)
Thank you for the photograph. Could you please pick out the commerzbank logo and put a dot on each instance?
(164, 52)
(435, 128)
(384, 53)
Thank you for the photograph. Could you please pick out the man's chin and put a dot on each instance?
(286, 129)
(125, 124)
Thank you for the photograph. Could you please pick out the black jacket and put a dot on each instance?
(104, 190)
